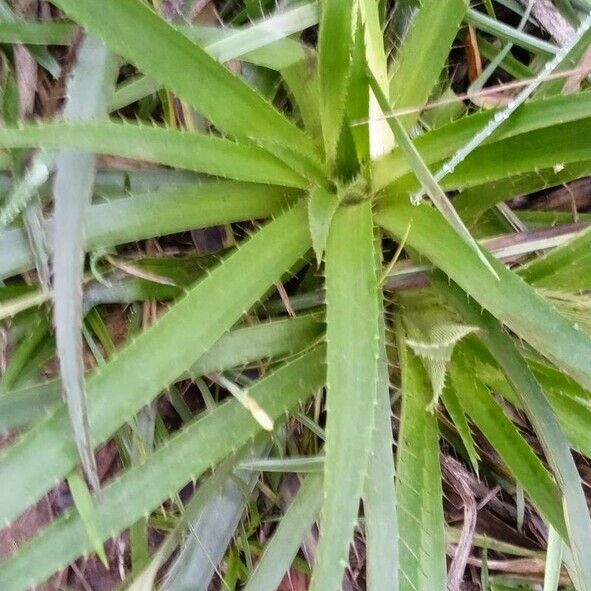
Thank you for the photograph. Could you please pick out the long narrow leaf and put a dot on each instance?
(89, 94)
(191, 151)
(334, 63)
(137, 33)
(156, 213)
(426, 46)
(543, 327)
(379, 496)
(418, 487)
(156, 358)
(552, 439)
(353, 348)
(142, 489)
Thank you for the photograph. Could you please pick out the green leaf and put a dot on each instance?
(156, 213)
(441, 143)
(418, 64)
(335, 45)
(553, 561)
(379, 493)
(565, 267)
(157, 357)
(547, 428)
(543, 327)
(137, 33)
(520, 458)
(352, 334)
(301, 79)
(211, 532)
(456, 412)
(472, 203)
(89, 91)
(322, 206)
(88, 514)
(29, 33)
(428, 182)
(142, 489)
(418, 483)
(381, 140)
(283, 547)
(181, 149)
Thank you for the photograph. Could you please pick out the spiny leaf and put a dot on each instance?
(353, 350)
(157, 213)
(89, 93)
(156, 358)
(137, 33)
(543, 327)
(419, 493)
(379, 493)
(322, 206)
(142, 489)
(191, 151)
(335, 45)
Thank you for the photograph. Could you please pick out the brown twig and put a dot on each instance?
(454, 474)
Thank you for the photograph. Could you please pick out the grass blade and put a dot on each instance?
(283, 547)
(89, 94)
(352, 334)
